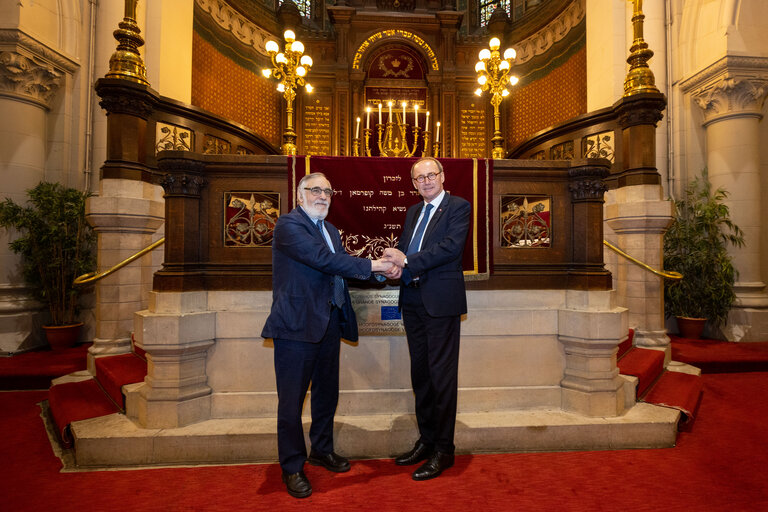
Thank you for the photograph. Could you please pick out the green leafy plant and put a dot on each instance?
(56, 245)
(696, 245)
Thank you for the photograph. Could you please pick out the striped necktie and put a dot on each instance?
(413, 247)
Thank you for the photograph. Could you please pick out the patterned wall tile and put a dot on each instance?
(221, 86)
(550, 100)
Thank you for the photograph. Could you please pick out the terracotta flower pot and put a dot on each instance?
(62, 336)
(691, 328)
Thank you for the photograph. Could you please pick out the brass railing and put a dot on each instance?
(92, 277)
(663, 273)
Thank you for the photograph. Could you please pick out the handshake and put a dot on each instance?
(391, 263)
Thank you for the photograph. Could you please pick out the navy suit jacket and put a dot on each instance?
(438, 263)
(303, 270)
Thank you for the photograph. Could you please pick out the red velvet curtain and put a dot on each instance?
(373, 193)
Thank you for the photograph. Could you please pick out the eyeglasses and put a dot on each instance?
(316, 191)
(431, 177)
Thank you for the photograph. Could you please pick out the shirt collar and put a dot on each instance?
(436, 201)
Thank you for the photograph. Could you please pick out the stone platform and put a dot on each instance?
(537, 372)
(116, 441)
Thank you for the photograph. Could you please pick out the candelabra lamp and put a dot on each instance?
(289, 67)
(493, 76)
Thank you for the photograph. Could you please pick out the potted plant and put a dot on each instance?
(696, 245)
(56, 245)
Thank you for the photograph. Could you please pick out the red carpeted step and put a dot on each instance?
(625, 345)
(677, 390)
(643, 363)
(713, 356)
(114, 372)
(75, 401)
(35, 370)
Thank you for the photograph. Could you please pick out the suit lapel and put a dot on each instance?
(312, 226)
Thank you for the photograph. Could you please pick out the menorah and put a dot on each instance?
(392, 136)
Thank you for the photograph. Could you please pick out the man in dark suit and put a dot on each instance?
(432, 300)
(311, 311)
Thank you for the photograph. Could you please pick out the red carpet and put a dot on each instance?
(718, 466)
(113, 372)
(677, 390)
(643, 363)
(35, 370)
(713, 356)
(75, 401)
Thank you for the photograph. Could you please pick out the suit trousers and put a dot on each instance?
(297, 363)
(433, 344)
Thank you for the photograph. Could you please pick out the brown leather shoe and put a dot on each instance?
(332, 462)
(297, 484)
(418, 453)
(436, 464)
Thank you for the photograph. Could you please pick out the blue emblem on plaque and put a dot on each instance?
(390, 313)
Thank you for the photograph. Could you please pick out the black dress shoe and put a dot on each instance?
(418, 453)
(436, 464)
(332, 462)
(297, 484)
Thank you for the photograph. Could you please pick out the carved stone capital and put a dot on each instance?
(732, 96)
(28, 79)
(731, 87)
(29, 70)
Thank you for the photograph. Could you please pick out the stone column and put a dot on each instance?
(31, 74)
(639, 216)
(126, 214)
(731, 94)
(177, 329)
(590, 328)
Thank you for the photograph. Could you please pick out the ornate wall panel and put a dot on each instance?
(559, 95)
(317, 125)
(250, 218)
(230, 85)
(473, 139)
(525, 221)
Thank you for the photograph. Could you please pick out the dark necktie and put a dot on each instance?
(415, 241)
(338, 281)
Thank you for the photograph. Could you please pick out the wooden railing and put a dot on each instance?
(197, 257)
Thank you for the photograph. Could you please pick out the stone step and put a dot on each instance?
(116, 441)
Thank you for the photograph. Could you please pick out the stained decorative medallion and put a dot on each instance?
(250, 218)
(525, 221)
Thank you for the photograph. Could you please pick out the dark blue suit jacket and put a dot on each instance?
(303, 270)
(438, 263)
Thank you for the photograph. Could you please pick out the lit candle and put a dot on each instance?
(390, 112)
(357, 129)
(379, 112)
(416, 115)
(426, 123)
(437, 136)
(367, 118)
(404, 104)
